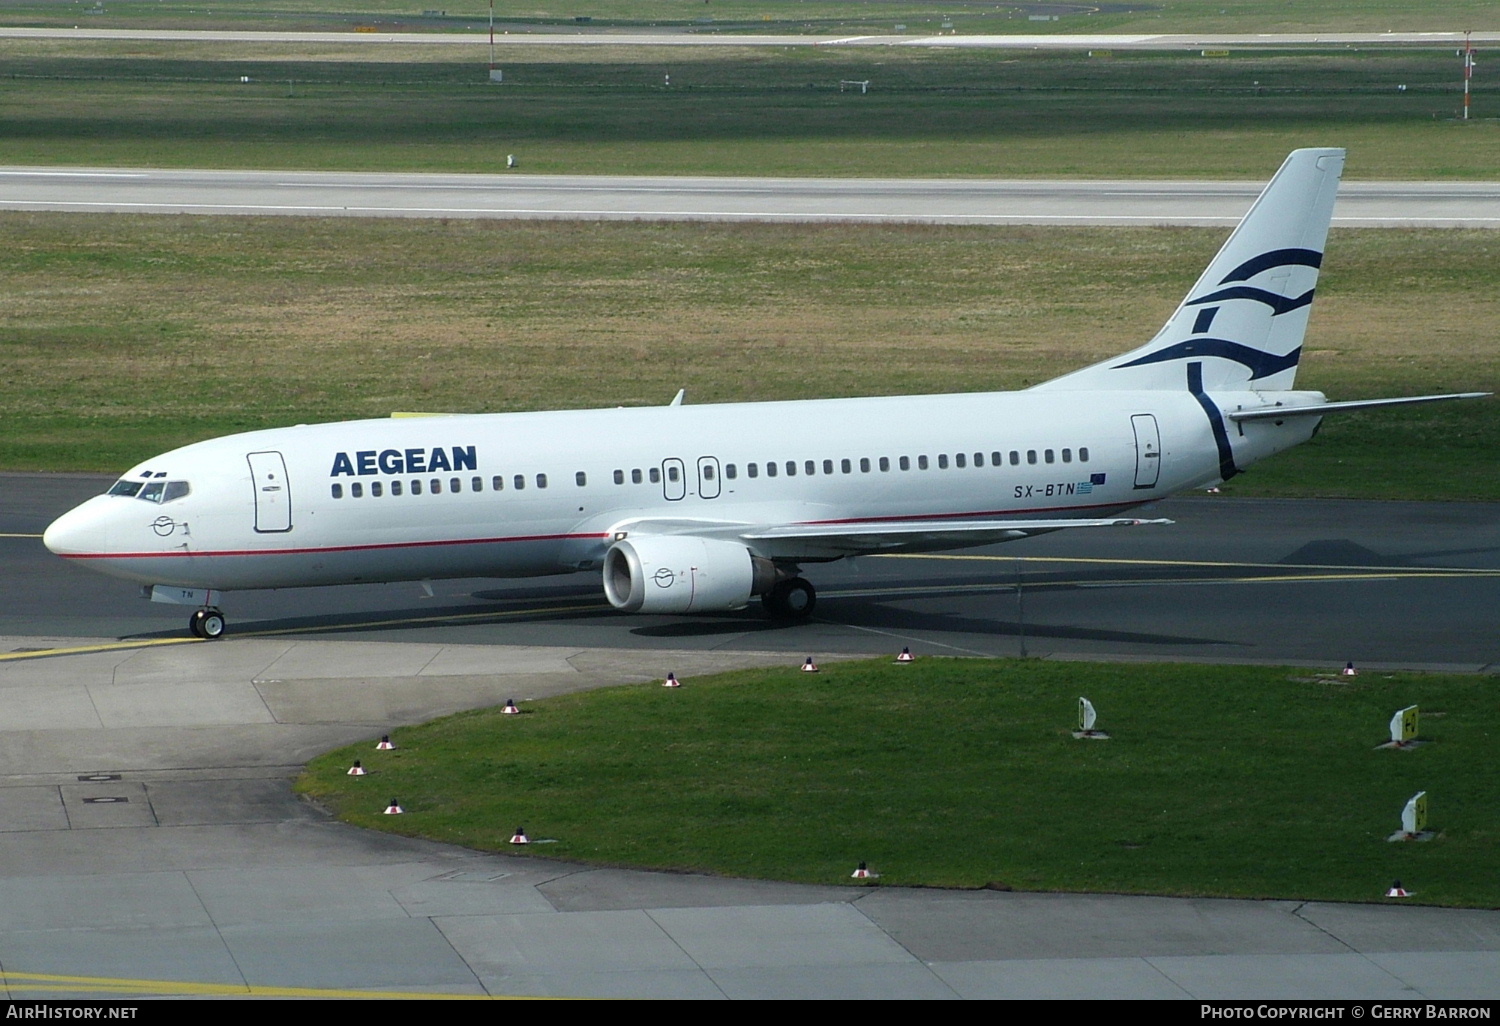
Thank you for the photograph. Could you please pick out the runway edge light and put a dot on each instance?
(862, 872)
(809, 666)
(1349, 670)
(394, 809)
(1397, 891)
(906, 656)
(671, 681)
(511, 709)
(386, 744)
(356, 770)
(519, 837)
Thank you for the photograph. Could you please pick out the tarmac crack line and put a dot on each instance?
(478, 980)
(239, 970)
(686, 954)
(1364, 956)
(1167, 976)
(854, 904)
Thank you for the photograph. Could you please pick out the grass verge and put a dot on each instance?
(1223, 781)
(124, 336)
(608, 110)
(780, 16)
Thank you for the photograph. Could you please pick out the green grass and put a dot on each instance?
(770, 15)
(1236, 782)
(127, 335)
(770, 112)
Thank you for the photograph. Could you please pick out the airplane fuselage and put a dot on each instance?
(510, 495)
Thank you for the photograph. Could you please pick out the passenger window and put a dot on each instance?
(828, 466)
(730, 472)
(437, 487)
(635, 477)
(376, 489)
(1083, 454)
(497, 483)
(338, 491)
(581, 478)
(942, 461)
(395, 487)
(455, 485)
(541, 480)
(809, 468)
(1050, 456)
(959, 461)
(922, 463)
(1015, 458)
(979, 459)
(672, 474)
(619, 477)
(476, 484)
(771, 469)
(845, 466)
(708, 471)
(655, 475)
(1067, 455)
(905, 463)
(356, 490)
(864, 464)
(753, 469)
(791, 468)
(885, 464)
(996, 459)
(1030, 455)
(519, 481)
(416, 487)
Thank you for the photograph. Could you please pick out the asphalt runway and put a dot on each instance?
(515, 195)
(152, 846)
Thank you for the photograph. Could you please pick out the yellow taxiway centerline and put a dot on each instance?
(14, 981)
(116, 646)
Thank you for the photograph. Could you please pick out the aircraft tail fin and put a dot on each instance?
(1241, 326)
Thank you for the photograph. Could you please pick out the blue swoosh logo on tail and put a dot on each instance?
(1278, 304)
(1261, 364)
(1275, 258)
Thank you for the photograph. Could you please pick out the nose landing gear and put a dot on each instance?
(207, 623)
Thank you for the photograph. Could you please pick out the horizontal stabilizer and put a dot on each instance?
(1319, 409)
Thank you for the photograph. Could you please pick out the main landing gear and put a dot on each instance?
(207, 623)
(791, 599)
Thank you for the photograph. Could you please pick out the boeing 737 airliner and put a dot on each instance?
(688, 509)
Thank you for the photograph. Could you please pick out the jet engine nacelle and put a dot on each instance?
(682, 574)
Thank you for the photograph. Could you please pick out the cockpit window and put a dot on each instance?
(161, 491)
(126, 488)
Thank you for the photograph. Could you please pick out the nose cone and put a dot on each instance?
(80, 531)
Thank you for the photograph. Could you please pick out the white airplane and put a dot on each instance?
(689, 509)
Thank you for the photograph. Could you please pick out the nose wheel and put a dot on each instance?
(207, 623)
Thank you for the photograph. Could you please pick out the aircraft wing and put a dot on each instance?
(843, 539)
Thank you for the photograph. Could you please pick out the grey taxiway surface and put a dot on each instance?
(515, 195)
(151, 843)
